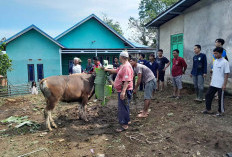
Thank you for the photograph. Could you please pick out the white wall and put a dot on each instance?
(175, 26)
(201, 24)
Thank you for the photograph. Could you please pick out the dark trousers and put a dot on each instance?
(209, 98)
(141, 87)
(124, 108)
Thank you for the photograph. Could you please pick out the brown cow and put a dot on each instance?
(71, 88)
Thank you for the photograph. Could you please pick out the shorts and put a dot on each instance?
(177, 82)
(161, 76)
(149, 88)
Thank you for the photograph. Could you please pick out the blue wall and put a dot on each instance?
(91, 30)
(32, 45)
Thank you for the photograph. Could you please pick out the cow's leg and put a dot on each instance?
(48, 124)
(80, 111)
(51, 120)
(83, 107)
(48, 113)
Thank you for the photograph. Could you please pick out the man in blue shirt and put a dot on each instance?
(163, 64)
(220, 43)
(89, 66)
(199, 71)
(143, 61)
(153, 66)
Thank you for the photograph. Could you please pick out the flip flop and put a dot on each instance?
(142, 116)
(206, 112)
(149, 110)
(121, 129)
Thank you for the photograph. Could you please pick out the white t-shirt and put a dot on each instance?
(76, 69)
(220, 68)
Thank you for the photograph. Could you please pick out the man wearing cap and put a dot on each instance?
(124, 86)
(76, 67)
(146, 76)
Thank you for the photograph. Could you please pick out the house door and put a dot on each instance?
(31, 72)
(177, 42)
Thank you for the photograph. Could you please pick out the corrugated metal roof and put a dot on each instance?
(171, 13)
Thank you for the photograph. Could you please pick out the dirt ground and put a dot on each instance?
(173, 128)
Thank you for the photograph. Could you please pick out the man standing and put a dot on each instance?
(89, 66)
(220, 43)
(116, 65)
(178, 69)
(162, 61)
(146, 76)
(221, 70)
(96, 62)
(199, 71)
(76, 67)
(153, 66)
(143, 61)
(124, 86)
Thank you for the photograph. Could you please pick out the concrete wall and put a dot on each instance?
(202, 24)
(91, 30)
(175, 26)
(32, 45)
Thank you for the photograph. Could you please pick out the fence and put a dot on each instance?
(13, 90)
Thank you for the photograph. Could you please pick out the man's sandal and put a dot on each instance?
(121, 129)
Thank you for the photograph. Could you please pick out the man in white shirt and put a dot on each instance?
(221, 70)
(76, 68)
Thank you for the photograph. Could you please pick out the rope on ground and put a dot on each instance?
(41, 149)
(141, 138)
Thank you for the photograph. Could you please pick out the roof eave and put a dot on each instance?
(165, 13)
(38, 30)
(172, 12)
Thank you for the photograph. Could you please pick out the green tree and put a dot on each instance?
(5, 62)
(140, 34)
(115, 25)
(148, 10)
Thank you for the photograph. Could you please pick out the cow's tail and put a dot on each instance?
(92, 92)
(44, 88)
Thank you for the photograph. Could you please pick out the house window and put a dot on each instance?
(101, 59)
(31, 72)
(40, 72)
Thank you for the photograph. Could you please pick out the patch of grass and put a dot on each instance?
(2, 101)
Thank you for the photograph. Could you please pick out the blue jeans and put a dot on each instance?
(124, 108)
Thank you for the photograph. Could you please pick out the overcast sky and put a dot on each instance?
(56, 16)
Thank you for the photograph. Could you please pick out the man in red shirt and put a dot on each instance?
(124, 86)
(97, 63)
(179, 67)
